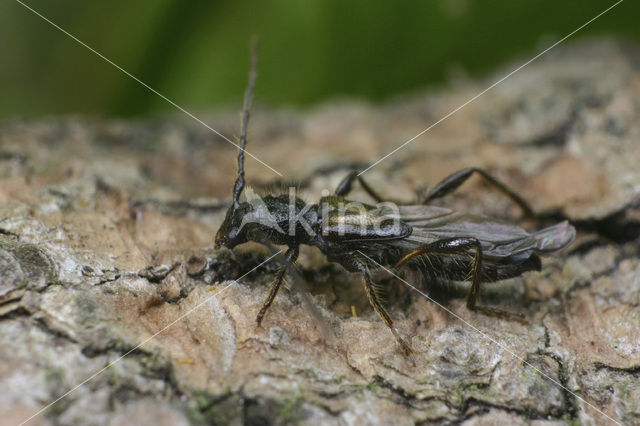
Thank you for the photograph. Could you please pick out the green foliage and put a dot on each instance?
(196, 53)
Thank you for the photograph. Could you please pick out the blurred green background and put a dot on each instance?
(196, 52)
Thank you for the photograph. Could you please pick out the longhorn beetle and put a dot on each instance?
(438, 242)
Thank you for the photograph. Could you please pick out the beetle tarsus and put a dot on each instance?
(498, 313)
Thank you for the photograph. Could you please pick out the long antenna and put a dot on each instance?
(248, 96)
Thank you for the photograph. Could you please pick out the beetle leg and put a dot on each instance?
(290, 257)
(453, 181)
(374, 299)
(355, 265)
(346, 184)
(474, 291)
(463, 246)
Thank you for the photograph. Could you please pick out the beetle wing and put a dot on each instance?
(499, 239)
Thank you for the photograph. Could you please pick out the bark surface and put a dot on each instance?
(106, 239)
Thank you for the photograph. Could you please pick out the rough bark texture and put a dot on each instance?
(106, 231)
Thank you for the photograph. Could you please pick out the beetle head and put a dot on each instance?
(232, 232)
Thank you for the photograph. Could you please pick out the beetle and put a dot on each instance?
(438, 242)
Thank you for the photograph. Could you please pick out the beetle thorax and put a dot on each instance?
(283, 219)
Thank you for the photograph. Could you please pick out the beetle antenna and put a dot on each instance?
(248, 97)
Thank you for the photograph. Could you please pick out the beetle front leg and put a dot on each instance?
(290, 257)
(453, 181)
(464, 246)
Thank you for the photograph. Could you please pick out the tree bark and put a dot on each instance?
(107, 260)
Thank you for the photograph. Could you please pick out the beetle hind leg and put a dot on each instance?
(472, 298)
(470, 247)
(474, 292)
